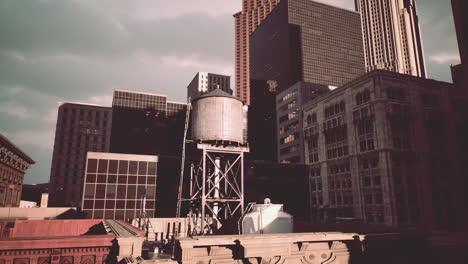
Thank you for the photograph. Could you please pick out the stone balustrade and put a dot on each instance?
(293, 248)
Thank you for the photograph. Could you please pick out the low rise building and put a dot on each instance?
(69, 241)
(13, 165)
(119, 186)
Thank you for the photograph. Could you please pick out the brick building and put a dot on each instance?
(68, 242)
(13, 165)
(383, 149)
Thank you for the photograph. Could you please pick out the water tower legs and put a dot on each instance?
(216, 189)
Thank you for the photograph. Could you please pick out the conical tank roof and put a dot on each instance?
(217, 93)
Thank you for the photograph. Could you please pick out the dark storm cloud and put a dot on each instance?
(38, 27)
(80, 50)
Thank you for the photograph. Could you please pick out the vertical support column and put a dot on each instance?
(242, 182)
(216, 190)
(203, 198)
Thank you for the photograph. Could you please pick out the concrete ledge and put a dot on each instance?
(293, 248)
(35, 213)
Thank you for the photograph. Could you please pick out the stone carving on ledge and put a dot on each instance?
(303, 248)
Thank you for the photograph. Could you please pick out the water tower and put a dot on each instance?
(216, 185)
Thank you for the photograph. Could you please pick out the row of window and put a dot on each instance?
(121, 179)
(121, 167)
(9, 197)
(335, 109)
(9, 177)
(115, 191)
(337, 152)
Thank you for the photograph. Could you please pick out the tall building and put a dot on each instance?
(289, 104)
(392, 37)
(303, 40)
(460, 72)
(460, 78)
(80, 128)
(13, 165)
(205, 82)
(460, 9)
(299, 41)
(115, 184)
(246, 21)
(146, 123)
(383, 149)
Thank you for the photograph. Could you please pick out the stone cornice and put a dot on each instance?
(12, 160)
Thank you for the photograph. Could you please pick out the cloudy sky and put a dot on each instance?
(81, 50)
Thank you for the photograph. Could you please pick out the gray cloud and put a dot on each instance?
(80, 50)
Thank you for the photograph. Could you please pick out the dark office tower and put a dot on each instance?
(303, 40)
(460, 72)
(299, 41)
(392, 38)
(460, 10)
(80, 128)
(252, 14)
(145, 123)
(460, 78)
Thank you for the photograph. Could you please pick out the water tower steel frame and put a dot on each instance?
(216, 187)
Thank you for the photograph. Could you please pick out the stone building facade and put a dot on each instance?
(382, 149)
(13, 165)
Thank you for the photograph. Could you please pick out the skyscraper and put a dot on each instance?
(304, 40)
(460, 9)
(80, 128)
(392, 38)
(246, 21)
(460, 72)
(299, 41)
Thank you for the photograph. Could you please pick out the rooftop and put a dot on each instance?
(12, 147)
